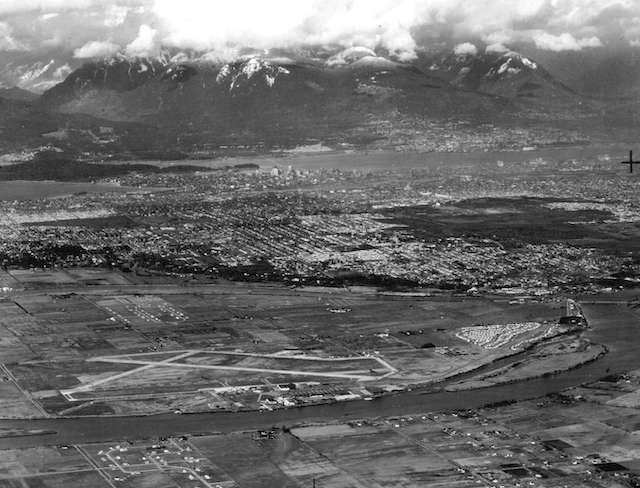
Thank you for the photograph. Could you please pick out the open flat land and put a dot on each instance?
(552, 357)
(87, 342)
(562, 440)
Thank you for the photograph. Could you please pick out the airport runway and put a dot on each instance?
(612, 323)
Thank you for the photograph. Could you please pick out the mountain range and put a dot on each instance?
(192, 104)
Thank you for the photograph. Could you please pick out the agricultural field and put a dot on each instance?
(39, 278)
(560, 440)
(85, 342)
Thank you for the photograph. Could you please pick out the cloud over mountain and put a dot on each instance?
(144, 44)
(96, 49)
(7, 41)
(564, 42)
(466, 48)
(399, 26)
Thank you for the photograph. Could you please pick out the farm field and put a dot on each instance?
(560, 440)
(85, 342)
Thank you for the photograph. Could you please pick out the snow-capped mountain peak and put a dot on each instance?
(350, 55)
(35, 72)
(519, 58)
(35, 76)
(510, 63)
(236, 73)
(508, 67)
(179, 73)
(252, 67)
(488, 66)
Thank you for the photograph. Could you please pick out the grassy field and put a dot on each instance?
(554, 441)
(103, 345)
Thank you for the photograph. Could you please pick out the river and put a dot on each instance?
(611, 323)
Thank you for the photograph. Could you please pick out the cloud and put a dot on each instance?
(62, 72)
(403, 27)
(17, 7)
(590, 42)
(285, 23)
(144, 44)
(96, 49)
(499, 37)
(49, 16)
(10, 7)
(7, 41)
(563, 42)
(350, 55)
(466, 48)
(115, 15)
(496, 47)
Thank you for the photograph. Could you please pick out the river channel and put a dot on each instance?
(612, 323)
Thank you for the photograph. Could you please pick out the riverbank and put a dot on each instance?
(552, 358)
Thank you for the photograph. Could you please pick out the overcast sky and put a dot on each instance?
(95, 28)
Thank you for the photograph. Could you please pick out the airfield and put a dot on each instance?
(582, 436)
(91, 342)
(572, 429)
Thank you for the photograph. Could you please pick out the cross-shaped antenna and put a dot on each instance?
(631, 162)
